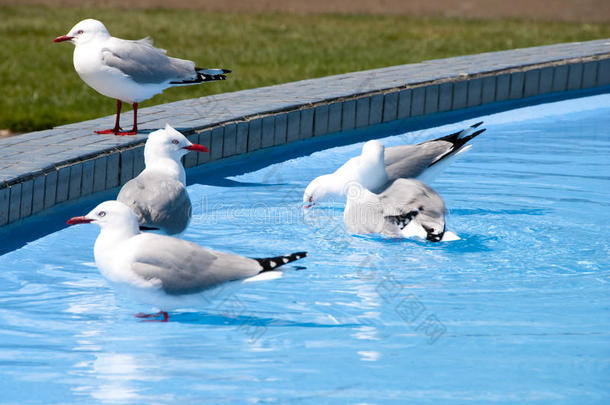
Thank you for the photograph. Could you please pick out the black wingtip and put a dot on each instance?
(480, 131)
(465, 139)
(457, 142)
(204, 77)
(272, 263)
(432, 236)
(199, 69)
(148, 228)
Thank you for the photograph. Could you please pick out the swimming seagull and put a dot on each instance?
(158, 195)
(129, 71)
(406, 208)
(377, 165)
(160, 270)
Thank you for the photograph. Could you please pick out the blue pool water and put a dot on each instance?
(516, 311)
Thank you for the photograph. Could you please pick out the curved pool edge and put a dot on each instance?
(68, 165)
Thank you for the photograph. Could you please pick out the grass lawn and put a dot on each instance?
(39, 88)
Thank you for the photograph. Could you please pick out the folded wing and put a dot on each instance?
(144, 63)
(158, 201)
(181, 267)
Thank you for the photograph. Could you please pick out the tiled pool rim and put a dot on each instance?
(39, 170)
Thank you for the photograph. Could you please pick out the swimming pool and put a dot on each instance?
(517, 310)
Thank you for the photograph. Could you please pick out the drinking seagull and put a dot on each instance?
(129, 71)
(376, 165)
(160, 270)
(158, 195)
(406, 208)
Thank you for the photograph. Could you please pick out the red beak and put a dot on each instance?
(62, 38)
(197, 148)
(79, 220)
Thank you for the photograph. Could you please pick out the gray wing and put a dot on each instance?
(144, 63)
(406, 161)
(410, 161)
(182, 267)
(158, 201)
(409, 199)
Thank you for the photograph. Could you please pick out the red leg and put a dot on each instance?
(116, 128)
(134, 130)
(165, 316)
(135, 121)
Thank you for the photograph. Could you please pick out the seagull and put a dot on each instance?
(160, 270)
(129, 71)
(158, 195)
(377, 165)
(406, 208)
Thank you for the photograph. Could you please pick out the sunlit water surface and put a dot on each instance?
(516, 311)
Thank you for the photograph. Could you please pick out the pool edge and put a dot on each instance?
(43, 169)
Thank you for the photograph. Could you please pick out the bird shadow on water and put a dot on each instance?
(482, 211)
(468, 243)
(221, 181)
(219, 319)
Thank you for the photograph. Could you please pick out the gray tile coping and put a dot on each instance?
(41, 169)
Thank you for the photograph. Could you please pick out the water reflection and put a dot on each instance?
(114, 377)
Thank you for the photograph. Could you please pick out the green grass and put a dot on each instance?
(40, 89)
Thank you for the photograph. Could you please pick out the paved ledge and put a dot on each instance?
(41, 169)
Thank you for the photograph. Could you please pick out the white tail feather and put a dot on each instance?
(265, 276)
(449, 236)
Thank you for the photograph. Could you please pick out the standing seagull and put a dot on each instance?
(158, 195)
(406, 208)
(130, 71)
(377, 165)
(160, 270)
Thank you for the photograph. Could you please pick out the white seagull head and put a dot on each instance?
(110, 215)
(322, 188)
(373, 150)
(169, 143)
(85, 31)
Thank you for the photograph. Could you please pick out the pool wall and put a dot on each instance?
(40, 170)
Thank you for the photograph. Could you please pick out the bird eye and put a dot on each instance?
(311, 199)
(101, 214)
(175, 142)
(79, 31)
